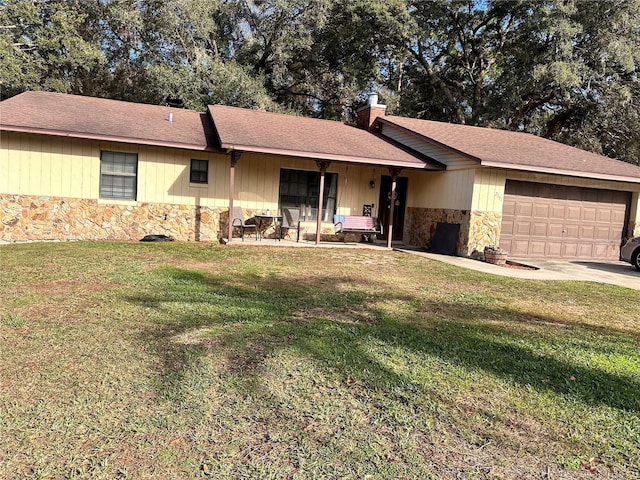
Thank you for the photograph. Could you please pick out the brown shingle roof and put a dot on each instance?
(523, 151)
(97, 118)
(264, 132)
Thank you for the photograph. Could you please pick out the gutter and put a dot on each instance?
(327, 156)
(110, 138)
(554, 171)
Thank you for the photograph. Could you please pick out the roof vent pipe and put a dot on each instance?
(373, 99)
(170, 118)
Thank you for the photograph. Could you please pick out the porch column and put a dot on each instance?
(394, 172)
(322, 165)
(235, 158)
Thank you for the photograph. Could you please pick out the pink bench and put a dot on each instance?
(368, 226)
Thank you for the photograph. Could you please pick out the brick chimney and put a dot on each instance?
(371, 111)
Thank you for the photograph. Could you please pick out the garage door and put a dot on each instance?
(556, 221)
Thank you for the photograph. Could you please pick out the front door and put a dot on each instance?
(399, 206)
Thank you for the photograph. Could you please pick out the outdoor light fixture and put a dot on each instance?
(372, 184)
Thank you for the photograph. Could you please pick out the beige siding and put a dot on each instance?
(447, 190)
(354, 190)
(258, 182)
(451, 159)
(65, 167)
(5, 172)
(164, 177)
(41, 165)
(488, 190)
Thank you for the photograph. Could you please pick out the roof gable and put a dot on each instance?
(516, 150)
(96, 118)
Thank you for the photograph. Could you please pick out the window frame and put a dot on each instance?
(193, 171)
(306, 198)
(125, 159)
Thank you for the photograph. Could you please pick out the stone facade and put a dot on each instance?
(30, 218)
(38, 218)
(477, 229)
(484, 231)
(327, 233)
(420, 226)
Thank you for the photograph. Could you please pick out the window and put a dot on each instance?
(118, 175)
(199, 171)
(300, 189)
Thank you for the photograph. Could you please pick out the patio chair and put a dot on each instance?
(290, 221)
(240, 222)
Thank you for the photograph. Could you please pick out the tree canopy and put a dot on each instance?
(563, 69)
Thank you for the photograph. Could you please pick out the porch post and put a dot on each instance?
(322, 165)
(235, 157)
(394, 172)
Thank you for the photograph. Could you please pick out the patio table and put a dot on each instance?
(264, 221)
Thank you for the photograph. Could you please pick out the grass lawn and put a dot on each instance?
(177, 360)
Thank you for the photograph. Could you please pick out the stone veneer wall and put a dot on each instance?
(27, 218)
(327, 233)
(477, 229)
(420, 226)
(484, 230)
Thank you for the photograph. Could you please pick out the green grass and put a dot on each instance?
(128, 360)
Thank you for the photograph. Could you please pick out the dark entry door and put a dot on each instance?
(385, 206)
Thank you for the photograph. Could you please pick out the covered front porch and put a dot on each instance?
(317, 191)
(318, 168)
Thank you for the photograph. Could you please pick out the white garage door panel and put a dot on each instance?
(554, 249)
(618, 216)
(556, 229)
(558, 212)
(569, 250)
(562, 222)
(573, 213)
(539, 229)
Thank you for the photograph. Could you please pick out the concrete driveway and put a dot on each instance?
(614, 273)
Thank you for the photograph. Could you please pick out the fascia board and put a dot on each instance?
(109, 138)
(558, 171)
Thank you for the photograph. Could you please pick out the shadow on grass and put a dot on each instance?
(329, 320)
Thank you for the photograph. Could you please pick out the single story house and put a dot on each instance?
(74, 167)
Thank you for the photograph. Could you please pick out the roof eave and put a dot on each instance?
(557, 171)
(110, 138)
(327, 156)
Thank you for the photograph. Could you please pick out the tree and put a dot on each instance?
(189, 55)
(583, 84)
(551, 67)
(41, 48)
